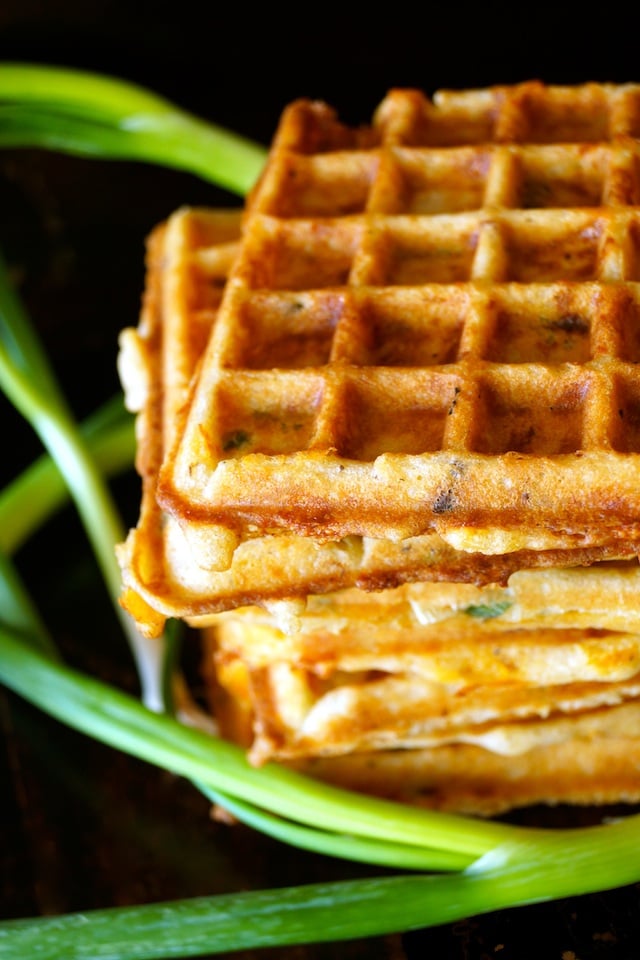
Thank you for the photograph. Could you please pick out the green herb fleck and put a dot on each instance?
(487, 611)
(235, 440)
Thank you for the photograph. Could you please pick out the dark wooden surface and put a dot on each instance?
(83, 826)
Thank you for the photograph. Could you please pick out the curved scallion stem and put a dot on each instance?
(77, 91)
(121, 721)
(333, 844)
(17, 612)
(94, 115)
(29, 500)
(516, 873)
(29, 383)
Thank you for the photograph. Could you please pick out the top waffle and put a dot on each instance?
(432, 325)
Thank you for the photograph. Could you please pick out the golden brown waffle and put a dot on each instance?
(601, 768)
(188, 261)
(457, 650)
(603, 596)
(597, 763)
(411, 366)
(301, 711)
(562, 748)
(164, 561)
(432, 325)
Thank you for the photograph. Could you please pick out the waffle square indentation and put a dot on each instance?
(555, 176)
(553, 327)
(566, 115)
(542, 249)
(431, 251)
(304, 255)
(251, 417)
(328, 185)
(412, 327)
(440, 181)
(529, 410)
(388, 413)
(286, 330)
(626, 435)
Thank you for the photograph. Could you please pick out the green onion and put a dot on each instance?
(40, 490)
(91, 115)
(329, 843)
(115, 718)
(514, 873)
(519, 865)
(28, 381)
(487, 611)
(18, 614)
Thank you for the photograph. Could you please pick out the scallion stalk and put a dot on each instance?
(383, 853)
(18, 614)
(28, 381)
(519, 865)
(93, 115)
(29, 500)
(119, 720)
(516, 873)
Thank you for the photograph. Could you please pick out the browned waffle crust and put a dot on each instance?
(432, 326)
(188, 260)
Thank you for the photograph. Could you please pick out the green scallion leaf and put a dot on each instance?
(92, 115)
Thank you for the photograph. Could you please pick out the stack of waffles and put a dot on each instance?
(388, 422)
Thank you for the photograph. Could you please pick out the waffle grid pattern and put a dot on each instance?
(462, 277)
(188, 259)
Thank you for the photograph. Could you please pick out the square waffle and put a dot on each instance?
(478, 717)
(480, 750)
(431, 327)
(543, 627)
(166, 561)
(431, 663)
(300, 714)
(595, 765)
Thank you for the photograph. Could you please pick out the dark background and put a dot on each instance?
(83, 826)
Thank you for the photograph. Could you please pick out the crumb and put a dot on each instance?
(220, 815)
(606, 936)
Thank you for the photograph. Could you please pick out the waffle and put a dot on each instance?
(188, 261)
(388, 424)
(514, 669)
(299, 716)
(594, 770)
(167, 562)
(477, 722)
(595, 761)
(431, 327)
(463, 648)
(603, 596)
